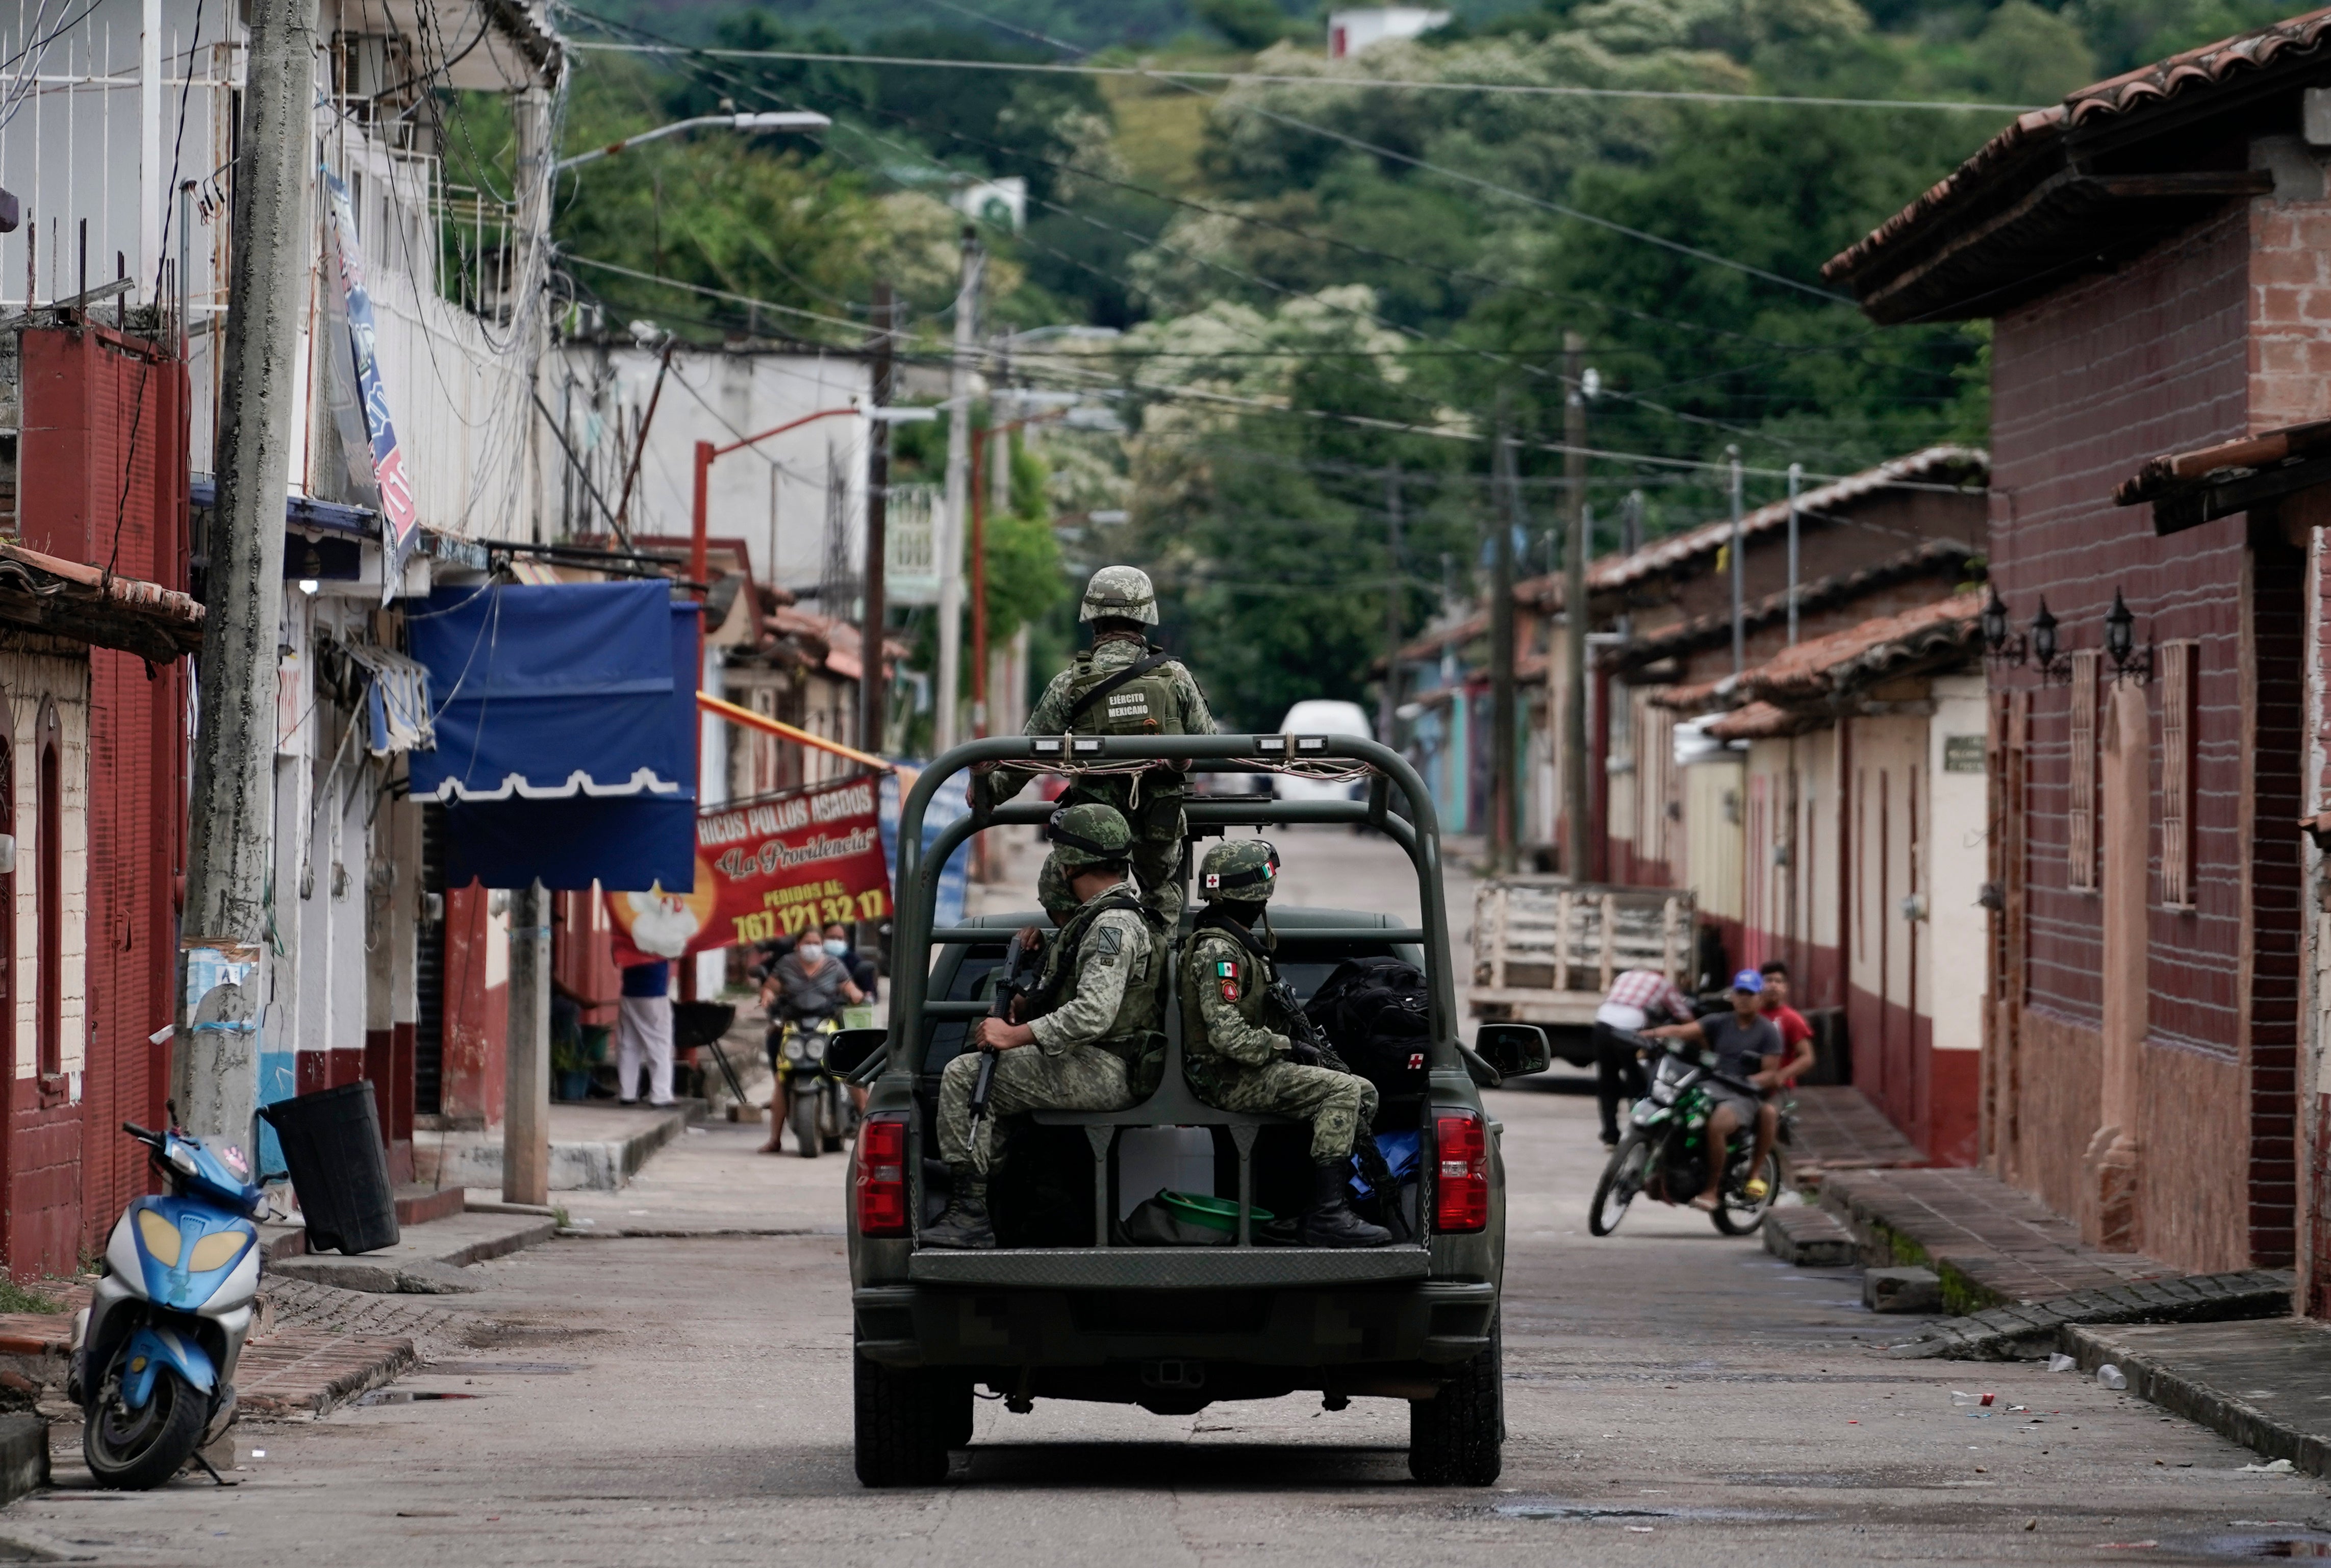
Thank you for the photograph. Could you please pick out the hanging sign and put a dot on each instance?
(400, 518)
(770, 868)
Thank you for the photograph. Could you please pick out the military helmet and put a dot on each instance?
(1119, 594)
(1243, 870)
(1088, 835)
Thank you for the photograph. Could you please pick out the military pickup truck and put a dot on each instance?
(1064, 1308)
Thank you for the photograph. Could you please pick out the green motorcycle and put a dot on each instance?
(1664, 1150)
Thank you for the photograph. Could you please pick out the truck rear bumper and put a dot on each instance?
(1284, 1329)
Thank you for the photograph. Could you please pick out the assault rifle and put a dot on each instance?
(1023, 961)
(1306, 1047)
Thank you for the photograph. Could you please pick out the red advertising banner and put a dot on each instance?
(769, 868)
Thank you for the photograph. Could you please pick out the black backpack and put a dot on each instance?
(1376, 1014)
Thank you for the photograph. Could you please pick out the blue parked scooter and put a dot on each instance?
(155, 1351)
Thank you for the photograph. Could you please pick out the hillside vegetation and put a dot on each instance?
(1319, 279)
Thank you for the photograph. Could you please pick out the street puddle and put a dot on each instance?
(2282, 1543)
(412, 1395)
(2271, 1546)
(1549, 1508)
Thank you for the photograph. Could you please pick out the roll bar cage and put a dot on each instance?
(1415, 829)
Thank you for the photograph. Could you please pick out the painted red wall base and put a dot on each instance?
(1930, 1095)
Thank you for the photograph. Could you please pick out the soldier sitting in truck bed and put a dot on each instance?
(1239, 1054)
(1093, 1017)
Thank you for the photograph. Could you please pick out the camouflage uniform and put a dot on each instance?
(1106, 1011)
(1095, 1010)
(1163, 700)
(1236, 1048)
(1235, 1059)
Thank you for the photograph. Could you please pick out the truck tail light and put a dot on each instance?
(1462, 1192)
(881, 1177)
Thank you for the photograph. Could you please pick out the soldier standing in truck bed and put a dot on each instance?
(1124, 685)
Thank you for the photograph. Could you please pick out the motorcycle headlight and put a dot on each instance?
(215, 1250)
(793, 1048)
(1663, 1093)
(161, 1238)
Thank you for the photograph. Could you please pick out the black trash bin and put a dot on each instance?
(332, 1148)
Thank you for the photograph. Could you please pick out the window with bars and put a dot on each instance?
(2177, 661)
(2081, 803)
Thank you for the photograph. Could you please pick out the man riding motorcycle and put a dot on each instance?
(1742, 1041)
(804, 988)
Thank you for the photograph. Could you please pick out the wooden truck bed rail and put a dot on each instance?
(1553, 946)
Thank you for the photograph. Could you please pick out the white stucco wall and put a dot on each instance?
(1956, 862)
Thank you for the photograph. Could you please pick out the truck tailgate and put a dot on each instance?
(1167, 1267)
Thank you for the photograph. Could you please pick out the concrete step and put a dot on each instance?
(427, 1259)
(2029, 1329)
(592, 1148)
(1809, 1238)
(417, 1204)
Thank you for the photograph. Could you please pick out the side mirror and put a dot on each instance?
(1514, 1050)
(851, 1048)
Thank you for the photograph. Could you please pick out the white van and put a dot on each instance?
(1322, 716)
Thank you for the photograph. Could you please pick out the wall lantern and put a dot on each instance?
(2001, 644)
(2120, 644)
(2054, 663)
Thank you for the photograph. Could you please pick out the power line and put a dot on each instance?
(1243, 77)
(1855, 345)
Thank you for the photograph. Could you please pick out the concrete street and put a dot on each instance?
(1673, 1396)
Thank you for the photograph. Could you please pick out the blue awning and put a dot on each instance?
(306, 511)
(566, 730)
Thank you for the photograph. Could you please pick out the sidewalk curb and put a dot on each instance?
(2023, 1332)
(421, 1265)
(24, 1455)
(693, 1232)
(2226, 1414)
(595, 1165)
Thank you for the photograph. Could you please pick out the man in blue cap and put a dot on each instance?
(1742, 1040)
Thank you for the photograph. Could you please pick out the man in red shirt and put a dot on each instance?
(1796, 1034)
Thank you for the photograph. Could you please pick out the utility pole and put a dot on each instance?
(526, 1056)
(949, 546)
(1796, 474)
(1577, 858)
(994, 715)
(526, 1063)
(1504, 837)
(215, 1073)
(1739, 572)
(1388, 704)
(873, 691)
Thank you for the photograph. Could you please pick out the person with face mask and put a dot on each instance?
(805, 986)
(861, 969)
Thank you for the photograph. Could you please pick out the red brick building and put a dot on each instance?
(2140, 249)
(94, 628)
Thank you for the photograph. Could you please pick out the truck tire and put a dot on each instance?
(904, 1423)
(1457, 1438)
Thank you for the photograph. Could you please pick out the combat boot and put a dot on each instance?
(964, 1224)
(1330, 1221)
